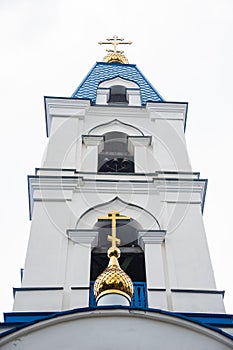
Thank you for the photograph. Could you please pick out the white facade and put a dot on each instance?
(163, 196)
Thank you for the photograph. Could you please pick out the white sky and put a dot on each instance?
(183, 47)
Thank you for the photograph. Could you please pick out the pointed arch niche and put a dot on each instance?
(116, 155)
(132, 258)
(118, 91)
(141, 250)
(115, 145)
(116, 125)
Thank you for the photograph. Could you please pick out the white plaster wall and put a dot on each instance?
(37, 301)
(197, 302)
(154, 266)
(78, 299)
(157, 299)
(188, 259)
(47, 247)
(63, 142)
(170, 150)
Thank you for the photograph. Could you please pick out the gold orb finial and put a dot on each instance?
(115, 55)
(113, 280)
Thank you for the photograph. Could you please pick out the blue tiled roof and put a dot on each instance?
(104, 71)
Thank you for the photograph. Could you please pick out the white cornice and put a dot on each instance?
(85, 184)
(150, 237)
(84, 237)
(92, 140)
(118, 112)
(64, 107)
(140, 141)
(167, 111)
(47, 188)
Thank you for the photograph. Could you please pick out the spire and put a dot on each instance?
(115, 55)
(113, 281)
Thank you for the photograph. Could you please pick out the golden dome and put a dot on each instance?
(115, 57)
(113, 280)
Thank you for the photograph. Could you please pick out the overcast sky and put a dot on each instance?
(183, 47)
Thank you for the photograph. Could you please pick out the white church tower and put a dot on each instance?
(116, 177)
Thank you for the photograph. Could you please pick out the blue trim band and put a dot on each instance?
(199, 319)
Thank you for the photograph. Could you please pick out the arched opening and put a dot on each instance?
(118, 95)
(132, 259)
(118, 91)
(115, 156)
(126, 232)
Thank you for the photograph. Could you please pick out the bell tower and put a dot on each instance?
(117, 178)
(116, 144)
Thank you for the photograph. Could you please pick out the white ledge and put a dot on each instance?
(92, 140)
(84, 237)
(151, 237)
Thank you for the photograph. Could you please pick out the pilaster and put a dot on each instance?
(140, 146)
(92, 145)
(151, 243)
(78, 265)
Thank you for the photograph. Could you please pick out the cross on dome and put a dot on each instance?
(115, 55)
(114, 216)
(113, 280)
(115, 41)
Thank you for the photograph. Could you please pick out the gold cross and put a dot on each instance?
(114, 216)
(115, 41)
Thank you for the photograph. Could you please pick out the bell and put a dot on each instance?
(125, 163)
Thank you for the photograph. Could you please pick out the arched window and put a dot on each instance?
(132, 256)
(126, 232)
(118, 91)
(115, 155)
(118, 95)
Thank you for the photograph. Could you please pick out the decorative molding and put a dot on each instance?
(92, 140)
(115, 122)
(130, 206)
(168, 111)
(108, 83)
(84, 236)
(60, 107)
(140, 141)
(113, 111)
(150, 237)
(61, 188)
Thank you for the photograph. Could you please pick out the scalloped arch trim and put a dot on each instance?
(145, 219)
(119, 126)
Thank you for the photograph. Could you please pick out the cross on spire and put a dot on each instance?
(114, 216)
(115, 41)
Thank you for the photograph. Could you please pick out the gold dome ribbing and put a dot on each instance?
(115, 57)
(113, 280)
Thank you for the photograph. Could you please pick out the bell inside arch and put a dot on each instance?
(115, 156)
(118, 94)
